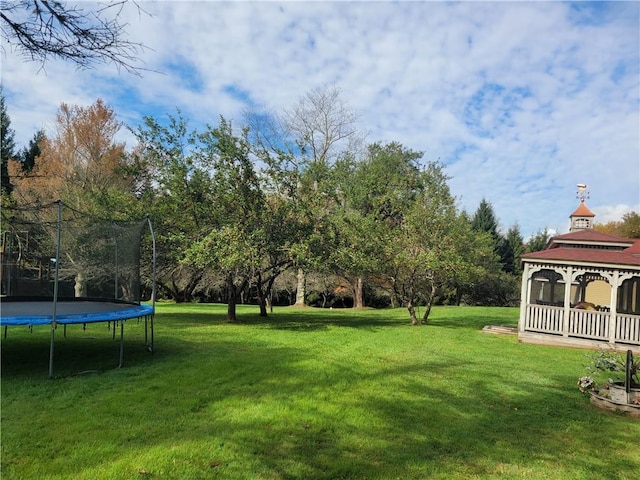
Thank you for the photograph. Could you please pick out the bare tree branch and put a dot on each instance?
(44, 29)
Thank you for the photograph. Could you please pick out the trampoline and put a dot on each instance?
(39, 311)
(15, 311)
(64, 267)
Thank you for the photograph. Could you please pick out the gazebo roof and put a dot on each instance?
(589, 246)
(589, 255)
(590, 237)
(582, 211)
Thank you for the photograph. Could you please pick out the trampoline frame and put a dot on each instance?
(57, 315)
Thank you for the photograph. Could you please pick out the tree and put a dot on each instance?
(299, 149)
(41, 29)
(478, 261)
(28, 155)
(233, 243)
(512, 250)
(7, 146)
(324, 129)
(175, 187)
(374, 196)
(422, 255)
(628, 227)
(82, 164)
(538, 241)
(323, 126)
(484, 220)
(509, 246)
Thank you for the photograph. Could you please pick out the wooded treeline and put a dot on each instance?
(291, 207)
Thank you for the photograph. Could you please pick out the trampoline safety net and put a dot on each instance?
(95, 259)
(63, 266)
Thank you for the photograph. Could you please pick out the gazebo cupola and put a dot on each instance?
(582, 217)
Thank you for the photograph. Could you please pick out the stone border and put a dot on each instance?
(607, 404)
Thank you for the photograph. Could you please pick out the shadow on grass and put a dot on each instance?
(284, 318)
(313, 319)
(26, 353)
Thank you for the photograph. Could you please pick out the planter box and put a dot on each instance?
(618, 394)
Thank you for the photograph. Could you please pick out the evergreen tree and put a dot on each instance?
(538, 241)
(29, 154)
(513, 248)
(484, 220)
(7, 146)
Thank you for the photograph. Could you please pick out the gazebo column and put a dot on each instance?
(615, 283)
(616, 280)
(567, 275)
(525, 292)
(524, 297)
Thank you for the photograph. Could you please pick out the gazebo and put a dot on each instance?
(583, 289)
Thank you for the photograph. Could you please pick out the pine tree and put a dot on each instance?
(484, 220)
(513, 248)
(7, 145)
(29, 154)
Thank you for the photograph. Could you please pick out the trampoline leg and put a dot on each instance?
(65, 330)
(51, 352)
(148, 344)
(121, 343)
(5, 332)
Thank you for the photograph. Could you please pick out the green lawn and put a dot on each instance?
(305, 394)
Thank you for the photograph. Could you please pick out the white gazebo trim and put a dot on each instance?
(564, 325)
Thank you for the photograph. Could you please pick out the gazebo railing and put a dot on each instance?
(628, 328)
(544, 319)
(588, 324)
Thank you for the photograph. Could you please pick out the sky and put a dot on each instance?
(521, 101)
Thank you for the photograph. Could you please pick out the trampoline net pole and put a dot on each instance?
(55, 287)
(153, 282)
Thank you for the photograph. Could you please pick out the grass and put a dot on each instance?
(305, 394)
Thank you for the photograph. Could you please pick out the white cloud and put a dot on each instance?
(522, 100)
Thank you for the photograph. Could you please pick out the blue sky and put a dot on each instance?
(521, 100)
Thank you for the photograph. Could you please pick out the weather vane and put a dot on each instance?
(582, 192)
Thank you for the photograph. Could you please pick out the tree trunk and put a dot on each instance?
(269, 304)
(269, 293)
(427, 309)
(231, 299)
(301, 290)
(262, 298)
(80, 286)
(412, 313)
(263, 307)
(358, 293)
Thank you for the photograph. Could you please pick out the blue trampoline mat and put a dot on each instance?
(38, 312)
